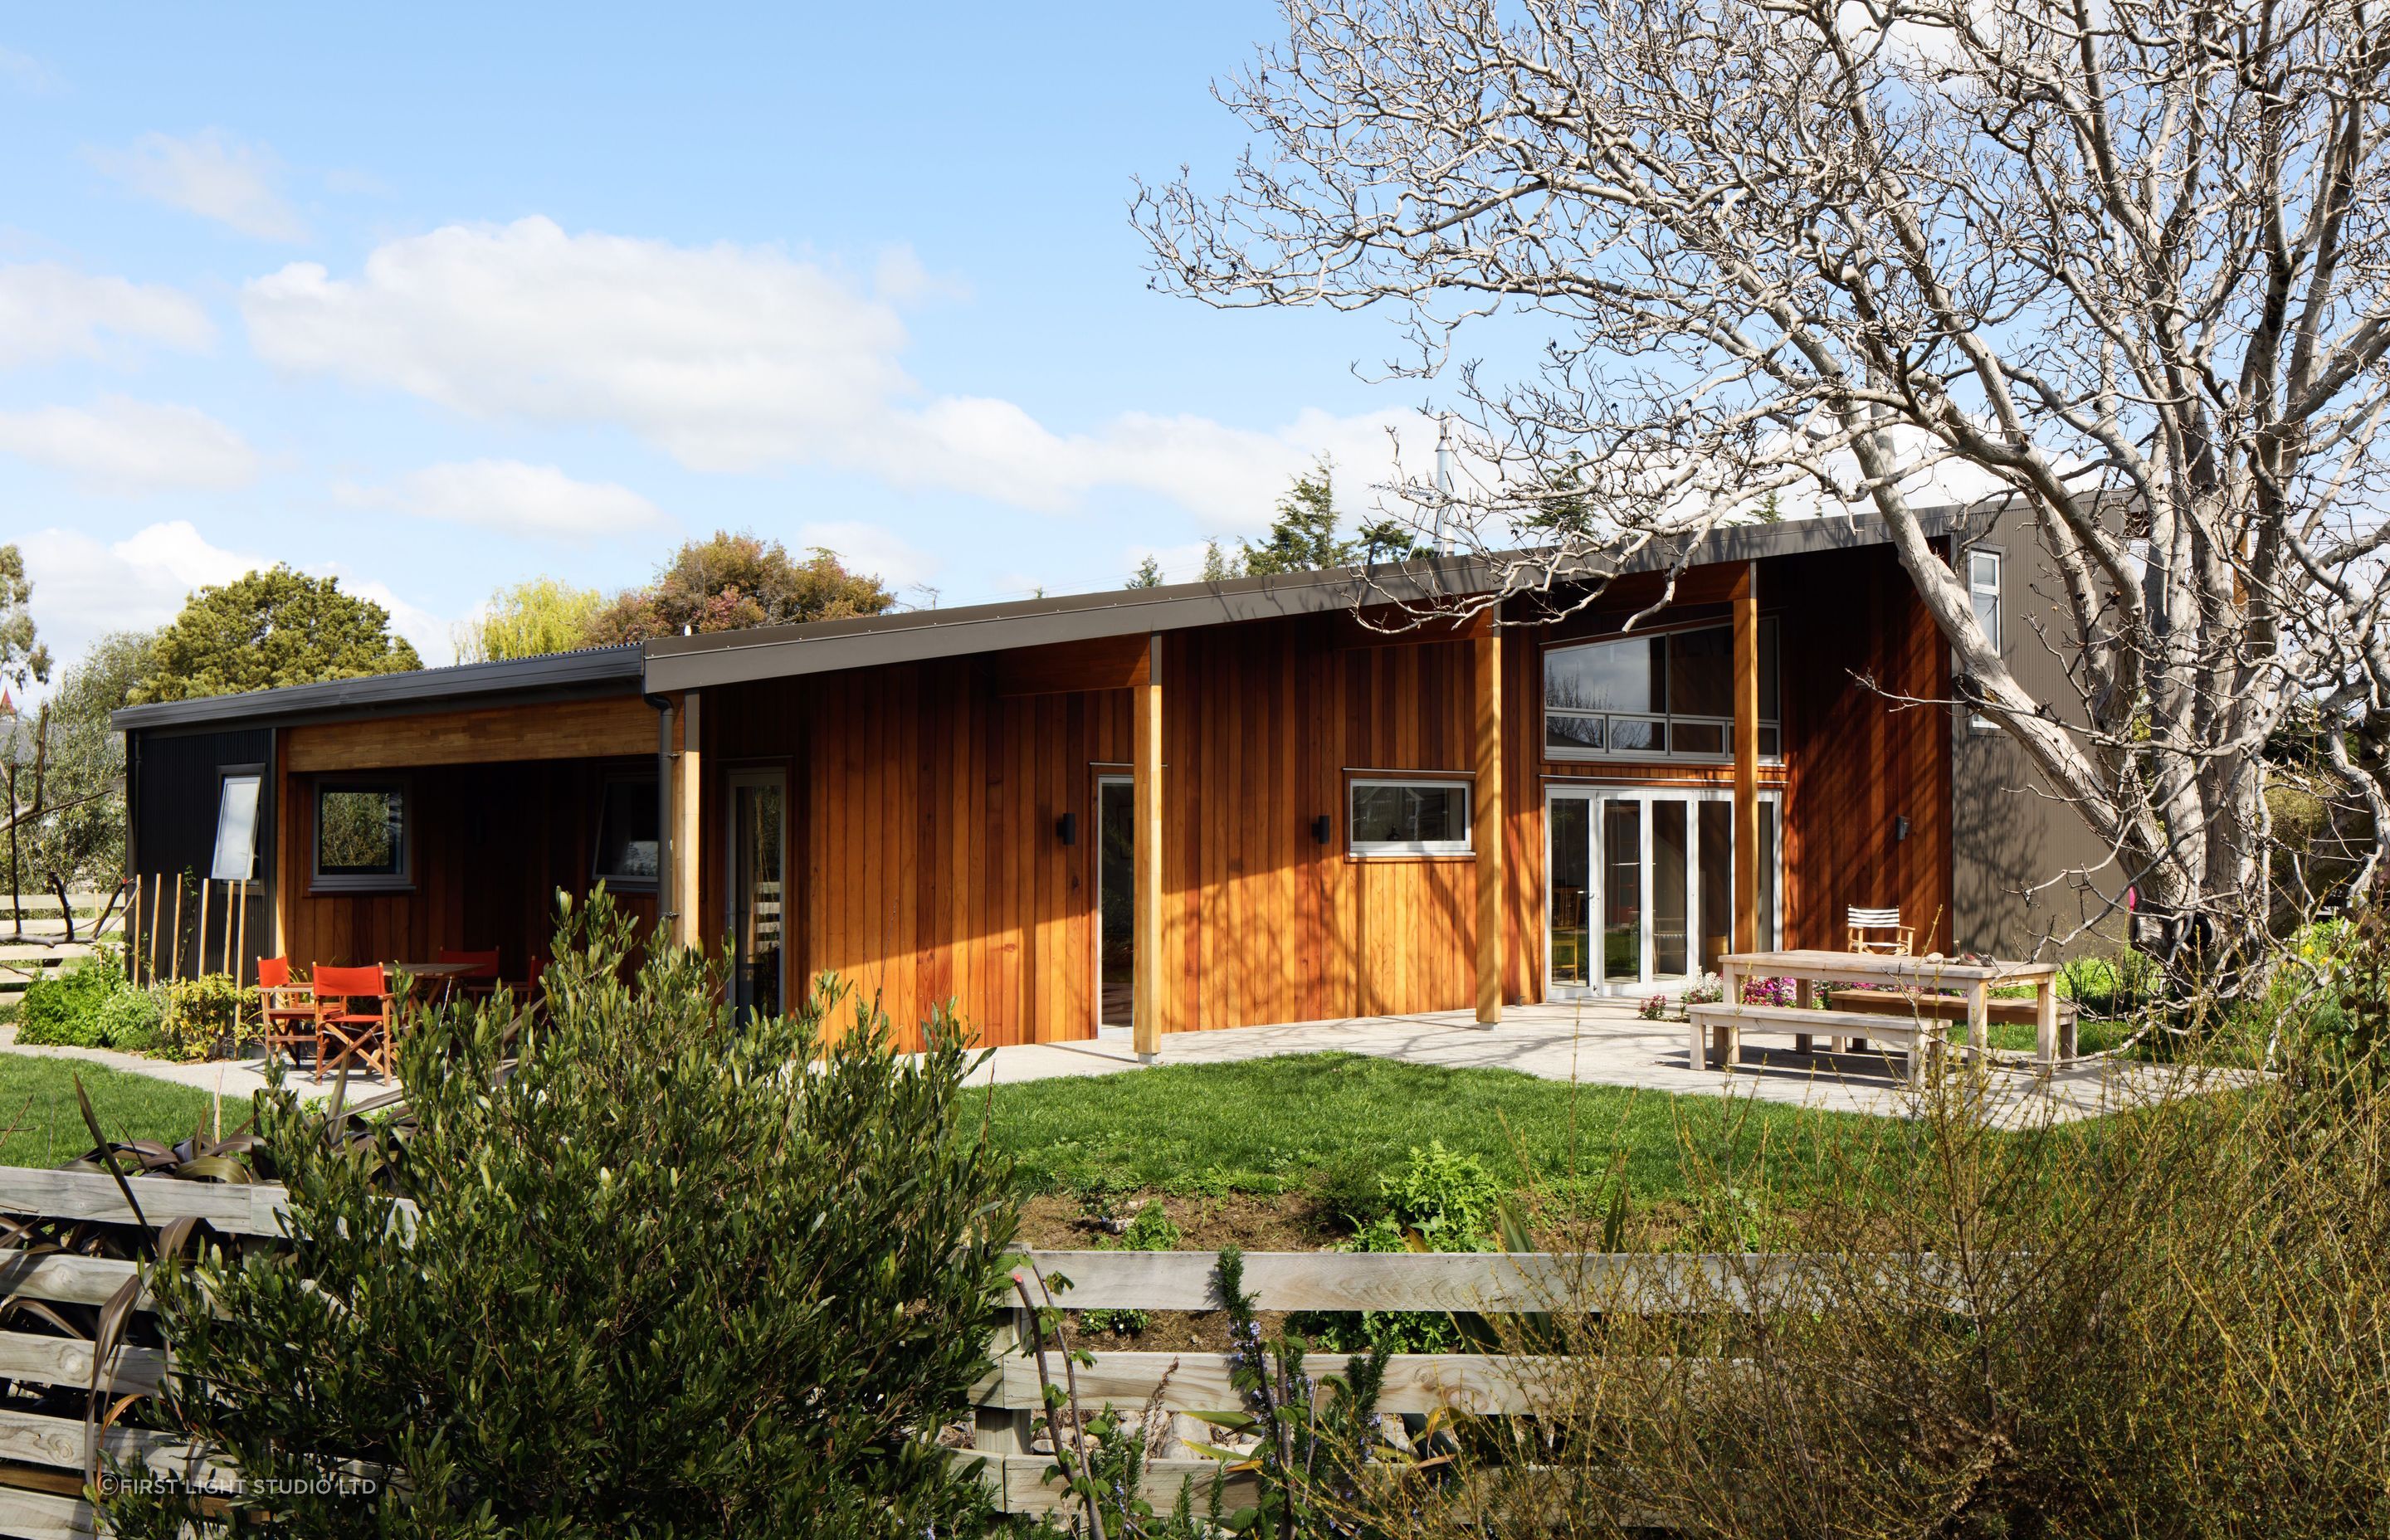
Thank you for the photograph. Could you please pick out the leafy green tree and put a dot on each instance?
(75, 842)
(269, 629)
(23, 659)
(1218, 565)
(655, 1283)
(1303, 537)
(529, 620)
(1149, 574)
(1385, 540)
(732, 582)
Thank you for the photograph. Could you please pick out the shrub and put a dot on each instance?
(1449, 1198)
(668, 1276)
(131, 1021)
(206, 1015)
(2168, 1322)
(1440, 1201)
(62, 1010)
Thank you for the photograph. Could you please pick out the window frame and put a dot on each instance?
(399, 881)
(1999, 628)
(652, 883)
(1666, 720)
(225, 776)
(1357, 849)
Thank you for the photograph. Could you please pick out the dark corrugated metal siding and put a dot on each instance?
(173, 792)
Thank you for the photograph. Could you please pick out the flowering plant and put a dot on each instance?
(1768, 992)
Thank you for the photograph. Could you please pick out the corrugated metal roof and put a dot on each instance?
(769, 652)
(590, 669)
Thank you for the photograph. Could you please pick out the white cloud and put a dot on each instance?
(732, 358)
(121, 445)
(48, 311)
(434, 636)
(212, 174)
(871, 548)
(533, 501)
(85, 587)
(30, 74)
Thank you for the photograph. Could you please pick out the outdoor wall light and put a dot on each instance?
(1322, 829)
(1899, 829)
(1066, 828)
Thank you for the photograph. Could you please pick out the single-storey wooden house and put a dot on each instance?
(1191, 806)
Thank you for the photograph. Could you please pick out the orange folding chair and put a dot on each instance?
(483, 979)
(286, 1011)
(355, 1013)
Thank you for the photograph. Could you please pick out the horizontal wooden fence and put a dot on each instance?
(49, 1295)
(1012, 1399)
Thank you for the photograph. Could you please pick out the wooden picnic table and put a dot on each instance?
(1972, 981)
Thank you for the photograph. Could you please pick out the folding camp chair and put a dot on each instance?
(1881, 930)
(356, 1014)
(286, 1011)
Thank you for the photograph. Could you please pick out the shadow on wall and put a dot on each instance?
(2031, 879)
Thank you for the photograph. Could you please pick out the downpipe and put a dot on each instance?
(667, 873)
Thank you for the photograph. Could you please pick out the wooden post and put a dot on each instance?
(1147, 1008)
(1486, 834)
(241, 935)
(1747, 876)
(199, 947)
(156, 880)
(688, 832)
(177, 967)
(133, 933)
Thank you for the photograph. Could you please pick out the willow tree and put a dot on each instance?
(2120, 264)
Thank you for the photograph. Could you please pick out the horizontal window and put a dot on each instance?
(1667, 695)
(629, 851)
(362, 835)
(1394, 817)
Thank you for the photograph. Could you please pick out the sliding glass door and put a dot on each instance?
(1640, 885)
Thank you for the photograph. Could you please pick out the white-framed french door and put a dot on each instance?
(1639, 885)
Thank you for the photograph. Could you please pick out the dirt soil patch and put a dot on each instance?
(1278, 1222)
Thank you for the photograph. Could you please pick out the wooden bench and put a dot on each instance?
(1804, 1026)
(1952, 1007)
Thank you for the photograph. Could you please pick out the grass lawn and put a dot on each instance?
(1335, 1122)
(45, 1126)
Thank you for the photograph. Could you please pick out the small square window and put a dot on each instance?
(362, 836)
(629, 851)
(236, 852)
(1389, 818)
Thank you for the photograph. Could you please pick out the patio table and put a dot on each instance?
(1975, 981)
(442, 974)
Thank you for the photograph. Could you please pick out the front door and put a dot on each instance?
(1115, 894)
(1640, 886)
(757, 913)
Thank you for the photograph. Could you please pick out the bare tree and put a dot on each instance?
(2120, 262)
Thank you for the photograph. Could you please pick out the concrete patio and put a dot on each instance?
(1598, 1043)
(1602, 1043)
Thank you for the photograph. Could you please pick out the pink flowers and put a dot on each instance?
(1768, 992)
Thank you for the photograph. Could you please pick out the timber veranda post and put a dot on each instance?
(1747, 875)
(1487, 821)
(1147, 1008)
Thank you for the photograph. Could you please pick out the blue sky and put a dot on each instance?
(441, 297)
